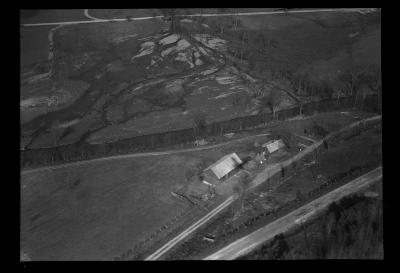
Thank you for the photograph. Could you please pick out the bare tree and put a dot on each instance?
(244, 39)
(235, 20)
(199, 123)
(326, 90)
(372, 80)
(270, 101)
(353, 77)
(171, 16)
(349, 79)
(261, 42)
(375, 82)
(296, 80)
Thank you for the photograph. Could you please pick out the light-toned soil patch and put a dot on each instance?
(68, 123)
(146, 49)
(210, 41)
(50, 94)
(169, 39)
(181, 45)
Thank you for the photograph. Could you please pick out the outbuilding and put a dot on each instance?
(220, 169)
(273, 145)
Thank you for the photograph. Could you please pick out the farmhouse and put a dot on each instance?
(220, 169)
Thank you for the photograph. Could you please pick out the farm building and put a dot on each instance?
(273, 145)
(217, 171)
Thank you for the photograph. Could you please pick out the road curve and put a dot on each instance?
(95, 20)
(86, 12)
(250, 242)
(30, 171)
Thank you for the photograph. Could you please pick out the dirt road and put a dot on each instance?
(25, 172)
(299, 216)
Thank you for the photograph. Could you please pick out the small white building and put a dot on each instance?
(273, 145)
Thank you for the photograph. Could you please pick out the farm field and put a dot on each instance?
(126, 199)
(88, 212)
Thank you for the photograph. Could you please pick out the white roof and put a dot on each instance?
(274, 145)
(225, 165)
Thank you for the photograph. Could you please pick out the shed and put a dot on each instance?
(273, 145)
(221, 168)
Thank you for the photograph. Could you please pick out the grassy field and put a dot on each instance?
(34, 45)
(86, 213)
(98, 211)
(51, 15)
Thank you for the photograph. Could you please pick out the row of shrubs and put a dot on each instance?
(344, 176)
(84, 151)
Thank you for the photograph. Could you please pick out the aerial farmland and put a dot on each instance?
(122, 112)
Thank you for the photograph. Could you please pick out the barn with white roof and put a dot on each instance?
(220, 169)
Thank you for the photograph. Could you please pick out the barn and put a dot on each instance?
(220, 169)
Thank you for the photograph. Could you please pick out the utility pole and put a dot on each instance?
(236, 22)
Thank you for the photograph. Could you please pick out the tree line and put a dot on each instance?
(84, 151)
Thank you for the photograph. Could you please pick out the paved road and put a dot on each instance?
(25, 172)
(95, 20)
(298, 216)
